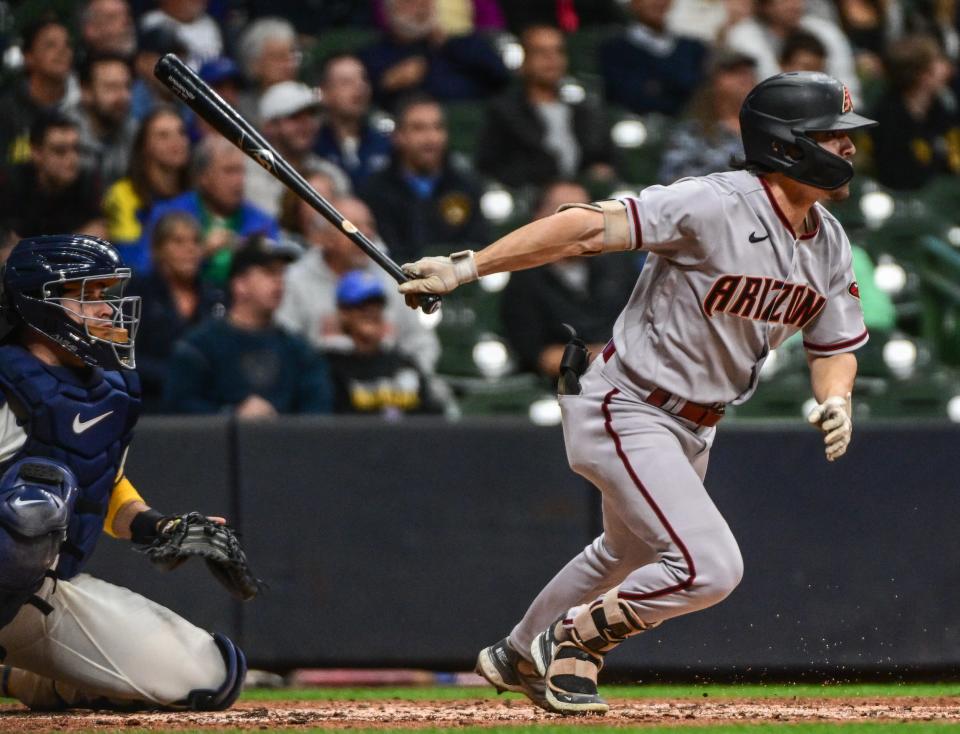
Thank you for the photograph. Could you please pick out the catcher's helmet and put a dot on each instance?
(47, 283)
(777, 116)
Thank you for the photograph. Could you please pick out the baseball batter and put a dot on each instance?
(69, 400)
(737, 263)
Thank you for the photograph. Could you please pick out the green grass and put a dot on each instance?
(779, 690)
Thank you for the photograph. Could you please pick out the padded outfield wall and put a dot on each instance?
(417, 543)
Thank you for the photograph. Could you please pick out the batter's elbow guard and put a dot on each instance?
(226, 695)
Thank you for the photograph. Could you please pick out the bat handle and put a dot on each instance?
(429, 303)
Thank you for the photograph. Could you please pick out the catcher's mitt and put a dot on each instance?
(193, 535)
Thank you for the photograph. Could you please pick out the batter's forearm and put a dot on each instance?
(832, 375)
(569, 233)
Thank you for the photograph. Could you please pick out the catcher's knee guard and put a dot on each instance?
(604, 624)
(224, 696)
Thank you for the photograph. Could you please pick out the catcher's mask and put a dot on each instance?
(70, 288)
(779, 114)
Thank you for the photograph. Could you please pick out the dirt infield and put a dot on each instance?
(480, 712)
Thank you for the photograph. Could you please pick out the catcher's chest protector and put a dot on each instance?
(83, 419)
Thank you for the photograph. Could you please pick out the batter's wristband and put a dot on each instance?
(143, 527)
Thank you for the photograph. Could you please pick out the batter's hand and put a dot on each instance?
(438, 275)
(832, 416)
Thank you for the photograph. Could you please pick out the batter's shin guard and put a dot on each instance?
(604, 624)
(224, 696)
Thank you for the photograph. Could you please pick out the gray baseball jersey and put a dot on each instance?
(727, 280)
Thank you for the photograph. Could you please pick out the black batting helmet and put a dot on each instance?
(777, 117)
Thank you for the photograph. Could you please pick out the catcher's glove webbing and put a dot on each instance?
(182, 537)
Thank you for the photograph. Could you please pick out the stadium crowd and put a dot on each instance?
(404, 114)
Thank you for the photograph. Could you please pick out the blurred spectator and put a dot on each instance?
(422, 199)
(290, 122)
(568, 15)
(368, 375)
(763, 35)
(309, 305)
(243, 363)
(198, 31)
(586, 292)
(52, 194)
(107, 130)
(457, 17)
(870, 25)
(532, 135)
(174, 299)
(919, 132)
(648, 68)
(346, 137)
(159, 159)
(268, 55)
(708, 137)
(106, 27)
(803, 51)
(47, 84)
(217, 171)
(416, 55)
(148, 91)
(8, 238)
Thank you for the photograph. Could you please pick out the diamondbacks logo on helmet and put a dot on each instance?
(854, 289)
(847, 101)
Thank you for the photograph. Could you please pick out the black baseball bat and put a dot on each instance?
(198, 96)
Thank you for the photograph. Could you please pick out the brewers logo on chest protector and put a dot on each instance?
(727, 280)
(84, 419)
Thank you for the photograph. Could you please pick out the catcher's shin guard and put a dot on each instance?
(223, 697)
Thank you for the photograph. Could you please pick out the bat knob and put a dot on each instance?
(430, 303)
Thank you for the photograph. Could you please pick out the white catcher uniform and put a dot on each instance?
(726, 280)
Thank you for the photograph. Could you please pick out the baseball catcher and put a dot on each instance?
(737, 263)
(69, 401)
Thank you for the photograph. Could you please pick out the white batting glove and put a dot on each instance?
(438, 275)
(832, 416)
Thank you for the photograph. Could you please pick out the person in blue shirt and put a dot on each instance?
(347, 138)
(217, 202)
(244, 363)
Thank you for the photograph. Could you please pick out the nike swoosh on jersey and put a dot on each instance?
(80, 426)
(754, 239)
(21, 502)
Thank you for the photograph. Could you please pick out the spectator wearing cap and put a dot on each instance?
(708, 138)
(648, 68)
(370, 377)
(158, 170)
(174, 299)
(289, 114)
(586, 292)
(197, 30)
(218, 203)
(762, 36)
(268, 54)
(532, 134)
(346, 137)
(309, 305)
(415, 55)
(48, 84)
(52, 193)
(107, 130)
(106, 28)
(148, 91)
(422, 198)
(243, 363)
(920, 139)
